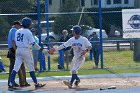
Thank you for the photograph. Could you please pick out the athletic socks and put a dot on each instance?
(77, 78)
(12, 77)
(33, 76)
(74, 76)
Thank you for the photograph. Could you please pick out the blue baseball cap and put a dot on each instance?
(76, 29)
(26, 22)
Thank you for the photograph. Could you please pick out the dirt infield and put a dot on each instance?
(89, 84)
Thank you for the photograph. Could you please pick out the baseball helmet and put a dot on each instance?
(76, 29)
(26, 22)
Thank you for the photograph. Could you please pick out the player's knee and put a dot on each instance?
(73, 72)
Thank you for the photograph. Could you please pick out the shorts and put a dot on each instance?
(35, 55)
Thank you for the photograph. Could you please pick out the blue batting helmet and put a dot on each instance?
(26, 22)
(76, 29)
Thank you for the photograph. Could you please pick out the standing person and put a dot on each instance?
(80, 46)
(34, 50)
(2, 69)
(11, 56)
(64, 52)
(95, 48)
(24, 40)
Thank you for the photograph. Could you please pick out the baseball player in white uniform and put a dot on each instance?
(80, 46)
(24, 40)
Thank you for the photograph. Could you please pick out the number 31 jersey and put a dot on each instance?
(24, 38)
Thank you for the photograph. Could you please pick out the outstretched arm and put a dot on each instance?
(56, 48)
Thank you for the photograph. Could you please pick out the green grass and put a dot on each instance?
(80, 72)
(116, 61)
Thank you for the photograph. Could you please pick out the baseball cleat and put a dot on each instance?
(39, 85)
(16, 85)
(77, 82)
(26, 85)
(67, 84)
(11, 88)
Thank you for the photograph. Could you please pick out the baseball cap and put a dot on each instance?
(76, 29)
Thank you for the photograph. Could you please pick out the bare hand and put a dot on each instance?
(83, 53)
(52, 50)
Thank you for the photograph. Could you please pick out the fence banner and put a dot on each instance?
(131, 23)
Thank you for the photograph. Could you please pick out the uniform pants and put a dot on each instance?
(21, 72)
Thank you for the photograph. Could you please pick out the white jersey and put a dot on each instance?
(24, 38)
(78, 45)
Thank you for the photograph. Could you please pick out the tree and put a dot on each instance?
(66, 21)
(12, 7)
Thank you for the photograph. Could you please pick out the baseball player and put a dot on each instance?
(80, 46)
(24, 40)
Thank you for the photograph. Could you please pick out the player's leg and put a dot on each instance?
(75, 68)
(70, 83)
(11, 56)
(22, 76)
(30, 65)
(17, 65)
(12, 62)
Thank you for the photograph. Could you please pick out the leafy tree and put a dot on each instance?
(4, 25)
(66, 21)
(10, 7)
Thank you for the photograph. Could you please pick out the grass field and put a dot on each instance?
(118, 61)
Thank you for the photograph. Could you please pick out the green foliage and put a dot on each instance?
(4, 25)
(66, 21)
(116, 61)
(10, 7)
(15, 6)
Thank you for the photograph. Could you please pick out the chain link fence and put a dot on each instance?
(117, 52)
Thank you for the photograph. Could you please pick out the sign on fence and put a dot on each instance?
(131, 23)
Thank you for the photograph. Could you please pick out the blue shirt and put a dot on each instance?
(11, 36)
(1, 65)
(37, 41)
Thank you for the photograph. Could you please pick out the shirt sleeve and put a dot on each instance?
(86, 44)
(65, 45)
(13, 34)
(68, 43)
(31, 38)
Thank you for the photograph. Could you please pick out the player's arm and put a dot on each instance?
(85, 51)
(13, 44)
(64, 45)
(56, 48)
(13, 40)
(36, 46)
(45, 51)
(87, 47)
